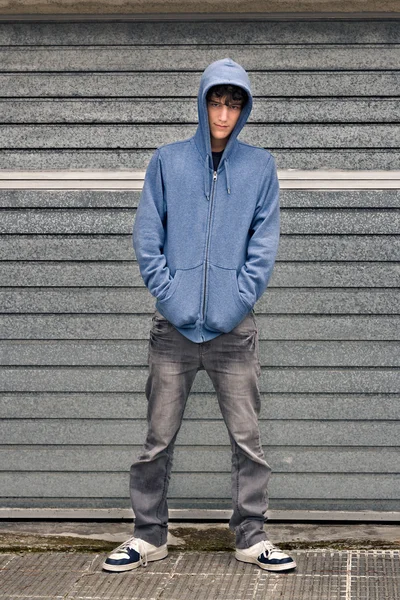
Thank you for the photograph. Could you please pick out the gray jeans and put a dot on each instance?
(232, 363)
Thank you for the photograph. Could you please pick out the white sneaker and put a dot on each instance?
(133, 553)
(266, 556)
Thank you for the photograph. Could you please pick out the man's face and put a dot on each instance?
(222, 120)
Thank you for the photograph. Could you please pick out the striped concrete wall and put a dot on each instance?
(100, 97)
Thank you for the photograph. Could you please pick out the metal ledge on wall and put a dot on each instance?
(133, 179)
(116, 514)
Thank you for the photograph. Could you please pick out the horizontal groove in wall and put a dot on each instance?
(205, 16)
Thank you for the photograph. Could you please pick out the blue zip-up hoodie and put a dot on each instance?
(206, 241)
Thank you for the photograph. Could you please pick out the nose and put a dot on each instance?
(224, 112)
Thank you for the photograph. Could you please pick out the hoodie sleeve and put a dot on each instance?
(262, 248)
(148, 231)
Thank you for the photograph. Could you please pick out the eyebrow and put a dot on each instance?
(234, 103)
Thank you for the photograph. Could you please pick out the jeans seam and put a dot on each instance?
(164, 488)
(237, 478)
(243, 532)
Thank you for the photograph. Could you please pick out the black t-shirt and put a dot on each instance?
(216, 158)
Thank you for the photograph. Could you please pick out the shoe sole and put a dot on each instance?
(158, 555)
(249, 559)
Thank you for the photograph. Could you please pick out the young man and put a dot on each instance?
(205, 236)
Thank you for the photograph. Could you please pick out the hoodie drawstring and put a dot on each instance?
(228, 185)
(206, 192)
(206, 178)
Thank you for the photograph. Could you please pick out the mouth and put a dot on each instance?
(221, 126)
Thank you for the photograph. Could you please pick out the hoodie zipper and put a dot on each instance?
(208, 239)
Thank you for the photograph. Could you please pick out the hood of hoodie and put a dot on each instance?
(219, 72)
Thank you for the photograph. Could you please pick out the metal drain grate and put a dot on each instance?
(320, 575)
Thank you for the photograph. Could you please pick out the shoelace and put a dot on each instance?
(268, 548)
(135, 544)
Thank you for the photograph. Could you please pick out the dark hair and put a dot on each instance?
(232, 92)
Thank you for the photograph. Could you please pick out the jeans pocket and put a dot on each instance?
(225, 307)
(160, 324)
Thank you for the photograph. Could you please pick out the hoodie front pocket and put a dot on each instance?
(225, 308)
(182, 305)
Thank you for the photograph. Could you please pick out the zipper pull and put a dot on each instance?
(215, 176)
